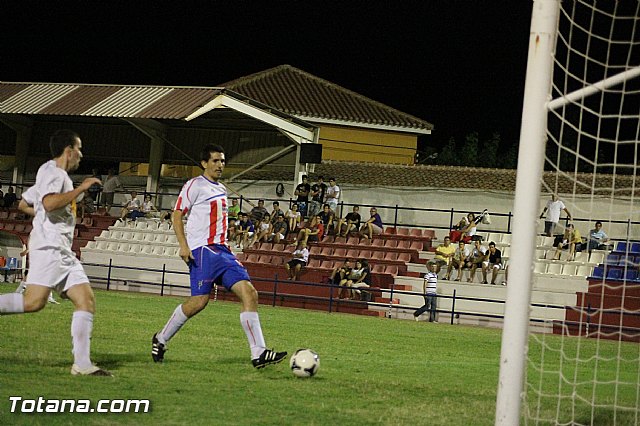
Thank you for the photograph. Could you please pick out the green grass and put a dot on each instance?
(373, 370)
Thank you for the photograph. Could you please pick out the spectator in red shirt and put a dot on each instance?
(313, 232)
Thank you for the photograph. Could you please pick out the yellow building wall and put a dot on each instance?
(377, 146)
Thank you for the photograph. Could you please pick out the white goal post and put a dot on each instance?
(547, 16)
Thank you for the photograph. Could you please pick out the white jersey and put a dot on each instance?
(205, 204)
(553, 210)
(52, 229)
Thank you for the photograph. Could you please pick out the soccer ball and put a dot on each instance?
(304, 363)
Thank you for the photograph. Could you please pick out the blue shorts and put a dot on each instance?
(214, 264)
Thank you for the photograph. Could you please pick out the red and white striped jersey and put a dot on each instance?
(205, 204)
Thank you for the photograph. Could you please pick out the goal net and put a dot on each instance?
(583, 366)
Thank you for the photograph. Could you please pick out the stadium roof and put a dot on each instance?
(315, 100)
(138, 102)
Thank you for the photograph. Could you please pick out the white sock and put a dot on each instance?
(175, 323)
(22, 287)
(81, 328)
(11, 303)
(251, 326)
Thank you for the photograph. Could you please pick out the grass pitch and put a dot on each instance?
(373, 370)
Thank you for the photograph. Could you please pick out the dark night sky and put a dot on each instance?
(458, 64)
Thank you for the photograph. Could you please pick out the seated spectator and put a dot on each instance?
(263, 231)
(444, 253)
(373, 226)
(327, 216)
(258, 212)
(132, 208)
(9, 199)
(465, 229)
(339, 273)
(350, 223)
(300, 259)
(597, 238)
(86, 205)
(493, 262)
(363, 281)
(244, 231)
(459, 260)
(275, 212)
(313, 232)
(233, 213)
(479, 254)
(571, 238)
(352, 280)
(148, 208)
(293, 218)
(280, 229)
(1, 197)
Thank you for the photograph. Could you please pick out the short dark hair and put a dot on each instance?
(320, 177)
(275, 203)
(60, 140)
(305, 177)
(598, 223)
(205, 154)
(492, 244)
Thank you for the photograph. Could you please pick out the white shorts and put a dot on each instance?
(56, 269)
(497, 266)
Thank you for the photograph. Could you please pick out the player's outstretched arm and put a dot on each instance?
(57, 201)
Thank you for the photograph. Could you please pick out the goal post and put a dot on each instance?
(579, 139)
(525, 210)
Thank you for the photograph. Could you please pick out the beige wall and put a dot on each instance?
(335, 145)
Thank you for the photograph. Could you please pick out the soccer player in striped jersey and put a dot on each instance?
(203, 200)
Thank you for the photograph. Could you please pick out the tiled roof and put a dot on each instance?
(306, 96)
(449, 177)
(160, 102)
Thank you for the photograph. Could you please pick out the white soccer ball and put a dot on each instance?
(304, 363)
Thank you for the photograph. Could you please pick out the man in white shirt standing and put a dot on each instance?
(333, 195)
(553, 209)
(53, 263)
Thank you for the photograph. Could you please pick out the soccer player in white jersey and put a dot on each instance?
(53, 263)
(203, 247)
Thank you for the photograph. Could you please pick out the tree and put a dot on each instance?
(488, 156)
(448, 155)
(510, 159)
(469, 151)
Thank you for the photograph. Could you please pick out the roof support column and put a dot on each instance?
(157, 136)
(22, 126)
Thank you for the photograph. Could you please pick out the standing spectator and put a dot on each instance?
(302, 192)
(373, 226)
(351, 222)
(494, 262)
(312, 233)
(300, 259)
(277, 211)
(111, 183)
(571, 238)
(597, 238)
(459, 260)
(257, 213)
(132, 208)
(9, 198)
(333, 195)
(430, 289)
(444, 253)
(280, 229)
(95, 188)
(293, 217)
(244, 231)
(317, 194)
(478, 256)
(553, 209)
